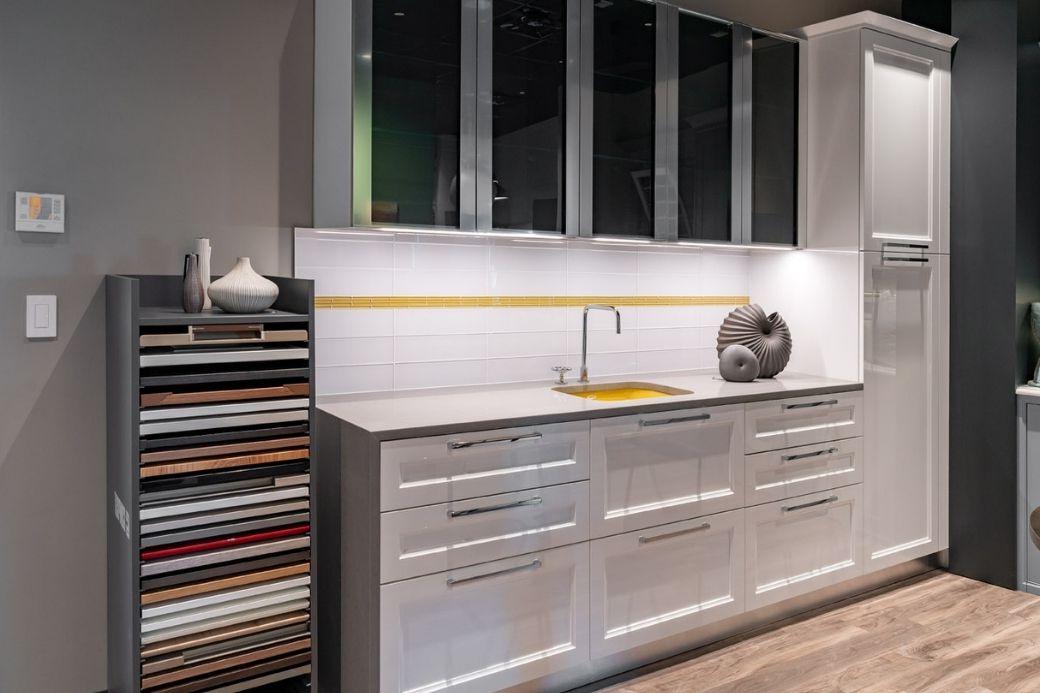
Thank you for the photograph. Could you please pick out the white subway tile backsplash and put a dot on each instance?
(354, 351)
(669, 285)
(346, 379)
(425, 282)
(376, 322)
(524, 258)
(668, 316)
(514, 344)
(524, 369)
(442, 254)
(527, 283)
(528, 319)
(339, 252)
(410, 376)
(585, 260)
(434, 321)
(449, 347)
(668, 338)
(603, 341)
(685, 261)
(594, 284)
(667, 360)
(349, 281)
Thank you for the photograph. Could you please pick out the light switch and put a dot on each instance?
(41, 317)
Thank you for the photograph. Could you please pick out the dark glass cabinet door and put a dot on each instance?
(529, 71)
(774, 140)
(705, 129)
(413, 161)
(623, 119)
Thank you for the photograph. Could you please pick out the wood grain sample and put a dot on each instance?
(234, 661)
(221, 634)
(199, 560)
(224, 450)
(198, 655)
(162, 399)
(225, 569)
(222, 542)
(212, 463)
(299, 664)
(215, 585)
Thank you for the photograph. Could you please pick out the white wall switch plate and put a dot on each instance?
(41, 317)
(39, 212)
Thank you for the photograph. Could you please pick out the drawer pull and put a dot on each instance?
(536, 563)
(678, 419)
(813, 504)
(671, 535)
(806, 455)
(810, 405)
(920, 246)
(463, 444)
(492, 508)
(903, 258)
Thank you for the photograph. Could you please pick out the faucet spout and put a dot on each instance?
(584, 375)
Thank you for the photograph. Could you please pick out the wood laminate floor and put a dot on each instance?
(939, 632)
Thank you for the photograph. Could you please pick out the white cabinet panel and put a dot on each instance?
(486, 627)
(803, 421)
(440, 537)
(802, 544)
(652, 469)
(903, 351)
(655, 583)
(773, 476)
(423, 471)
(905, 143)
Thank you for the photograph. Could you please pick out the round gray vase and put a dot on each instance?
(738, 364)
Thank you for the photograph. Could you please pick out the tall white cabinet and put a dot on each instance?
(878, 185)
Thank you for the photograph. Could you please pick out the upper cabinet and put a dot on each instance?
(878, 171)
(625, 118)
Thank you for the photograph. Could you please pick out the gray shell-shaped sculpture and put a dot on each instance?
(766, 335)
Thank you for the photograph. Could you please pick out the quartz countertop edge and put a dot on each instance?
(442, 411)
(1028, 391)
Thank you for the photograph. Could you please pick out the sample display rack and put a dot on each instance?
(209, 522)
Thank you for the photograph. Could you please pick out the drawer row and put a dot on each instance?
(635, 456)
(501, 623)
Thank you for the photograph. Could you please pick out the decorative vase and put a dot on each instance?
(738, 364)
(242, 290)
(191, 285)
(766, 335)
(204, 251)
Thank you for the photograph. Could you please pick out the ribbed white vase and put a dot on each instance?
(242, 290)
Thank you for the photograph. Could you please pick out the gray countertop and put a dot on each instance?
(413, 413)
(1028, 391)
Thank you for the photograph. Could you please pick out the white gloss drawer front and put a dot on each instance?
(656, 583)
(439, 469)
(435, 538)
(801, 544)
(773, 476)
(787, 423)
(487, 627)
(651, 469)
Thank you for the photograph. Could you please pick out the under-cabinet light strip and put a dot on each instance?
(520, 301)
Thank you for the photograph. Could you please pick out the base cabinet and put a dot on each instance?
(487, 627)
(801, 544)
(651, 584)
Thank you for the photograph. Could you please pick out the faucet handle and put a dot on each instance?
(561, 371)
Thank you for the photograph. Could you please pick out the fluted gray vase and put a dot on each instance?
(767, 336)
(192, 296)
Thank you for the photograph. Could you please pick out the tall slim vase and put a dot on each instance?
(191, 286)
(204, 251)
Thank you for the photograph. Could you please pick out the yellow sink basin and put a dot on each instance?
(620, 392)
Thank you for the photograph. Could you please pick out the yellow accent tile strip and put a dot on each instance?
(520, 301)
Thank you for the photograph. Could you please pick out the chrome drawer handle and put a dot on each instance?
(902, 258)
(803, 506)
(536, 563)
(463, 444)
(806, 455)
(920, 246)
(672, 535)
(809, 405)
(492, 508)
(679, 419)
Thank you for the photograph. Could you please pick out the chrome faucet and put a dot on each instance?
(584, 377)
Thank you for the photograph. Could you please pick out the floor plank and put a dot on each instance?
(938, 633)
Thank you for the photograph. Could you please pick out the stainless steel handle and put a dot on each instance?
(678, 419)
(919, 246)
(806, 455)
(463, 444)
(536, 563)
(672, 535)
(903, 258)
(813, 504)
(810, 405)
(492, 508)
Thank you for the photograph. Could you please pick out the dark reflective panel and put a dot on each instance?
(415, 112)
(774, 138)
(623, 118)
(528, 87)
(705, 128)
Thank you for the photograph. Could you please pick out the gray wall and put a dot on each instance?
(161, 120)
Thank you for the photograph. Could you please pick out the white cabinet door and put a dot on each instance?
(651, 469)
(439, 469)
(904, 323)
(434, 538)
(802, 544)
(486, 627)
(655, 583)
(785, 423)
(773, 476)
(906, 138)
